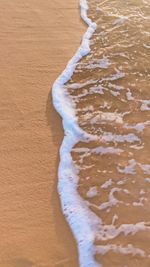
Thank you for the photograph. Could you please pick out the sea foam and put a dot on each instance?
(80, 219)
(112, 146)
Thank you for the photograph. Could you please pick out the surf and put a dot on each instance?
(102, 178)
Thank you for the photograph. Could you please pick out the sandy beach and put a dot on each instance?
(37, 38)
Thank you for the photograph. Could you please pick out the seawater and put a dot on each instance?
(104, 100)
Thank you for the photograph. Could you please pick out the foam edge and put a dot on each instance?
(80, 219)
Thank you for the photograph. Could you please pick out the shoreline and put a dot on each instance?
(33, 230)
(73, 207)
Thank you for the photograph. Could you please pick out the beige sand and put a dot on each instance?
(37, 38)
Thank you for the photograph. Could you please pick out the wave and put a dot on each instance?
(103, 99)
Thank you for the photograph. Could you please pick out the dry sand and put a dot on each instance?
(37, 38)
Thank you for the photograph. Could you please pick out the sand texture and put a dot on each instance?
(37, 38)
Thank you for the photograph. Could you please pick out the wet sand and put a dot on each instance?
(37, 38)
(109, 90)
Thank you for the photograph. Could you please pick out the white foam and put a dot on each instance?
(84, 224)
(80, 219)
(112, 200)
(109, 137)
(108, 117)
(107, 184)
(129, 169)
(145, 168)
(145, 105)
(120, 20)
(109, 232)
(92, 192)
(129, 249)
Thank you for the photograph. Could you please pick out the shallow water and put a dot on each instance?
(109, 92)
